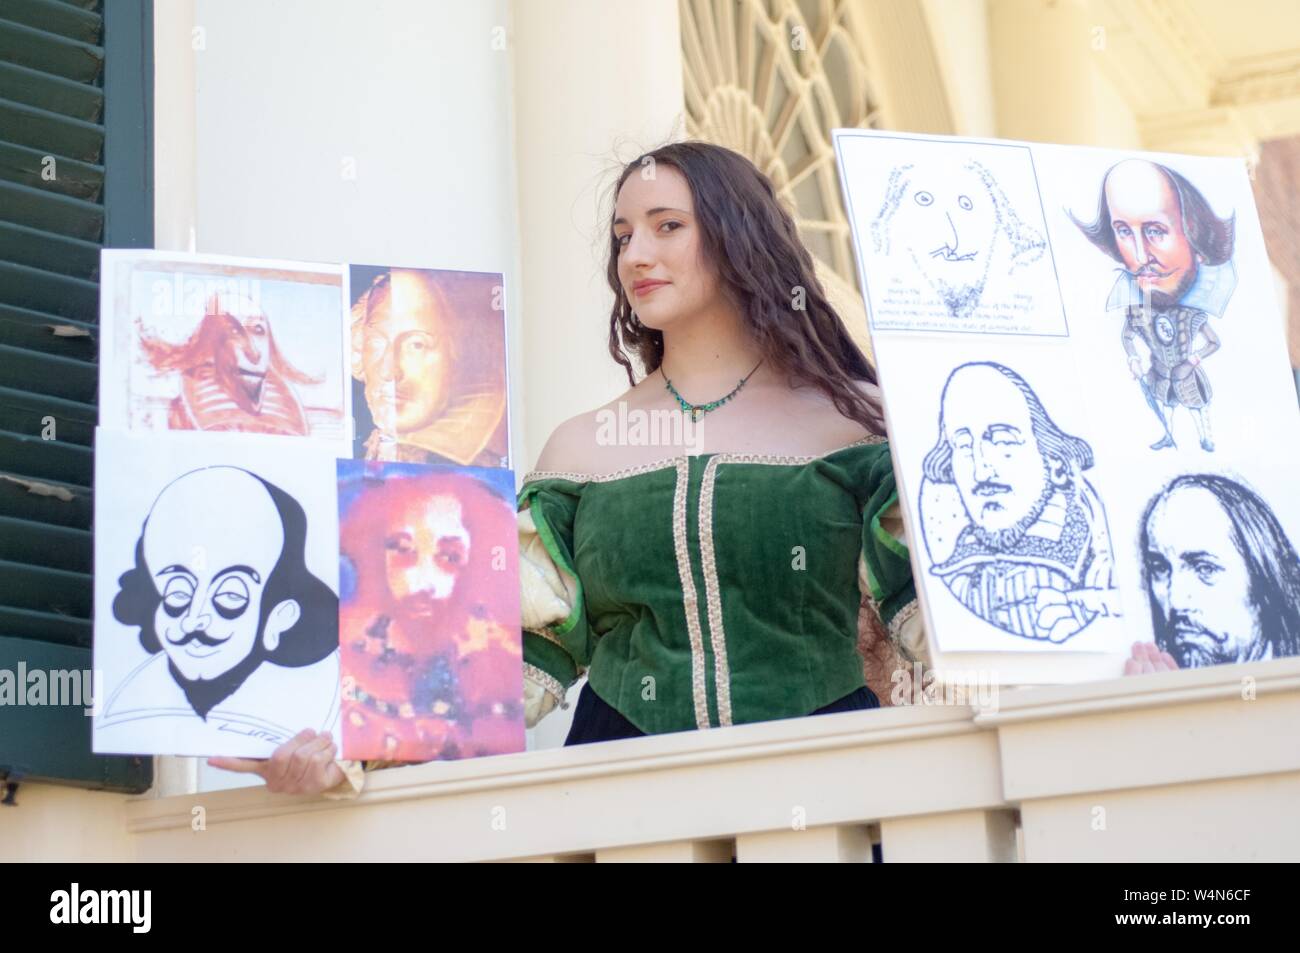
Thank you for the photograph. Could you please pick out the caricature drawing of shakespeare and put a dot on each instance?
(1027, 546)
(957, 227)
(1177, 274)
(233, 376)
(242, 639)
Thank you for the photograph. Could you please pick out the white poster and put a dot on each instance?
(216, 592)
(1090, 405)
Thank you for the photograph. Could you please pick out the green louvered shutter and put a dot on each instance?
(76, 100)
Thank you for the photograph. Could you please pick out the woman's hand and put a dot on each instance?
(302, 765)
(1147, 658)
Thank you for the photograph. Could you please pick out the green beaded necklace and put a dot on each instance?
(698, 410)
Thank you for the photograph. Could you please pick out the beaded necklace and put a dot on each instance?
(698, 410)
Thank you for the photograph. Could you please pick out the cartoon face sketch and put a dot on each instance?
(220, 585)
(953, 222)
(233, 377)
(431, 643)
(1222, 577)
(434, 383)
(1032, 555)
(1177, 273)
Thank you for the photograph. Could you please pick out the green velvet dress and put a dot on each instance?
(720, 588)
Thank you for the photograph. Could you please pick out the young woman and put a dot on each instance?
(740, 557)
(717, 581)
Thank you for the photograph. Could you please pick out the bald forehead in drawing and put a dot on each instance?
(1147, 221)
(212, 540)
(228, 518)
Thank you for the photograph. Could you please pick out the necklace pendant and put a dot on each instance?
(695, 414)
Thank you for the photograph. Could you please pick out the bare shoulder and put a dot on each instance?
(825, 423)
(567, 450)
(573, 446)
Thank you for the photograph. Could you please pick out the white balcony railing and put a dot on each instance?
(1193, 765)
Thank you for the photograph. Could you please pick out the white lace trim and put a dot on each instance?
(725, 457)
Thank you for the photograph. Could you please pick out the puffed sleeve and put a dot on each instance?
(354, 777)
(885, 568)
(558, 642)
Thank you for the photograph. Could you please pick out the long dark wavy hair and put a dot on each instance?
(753, 244)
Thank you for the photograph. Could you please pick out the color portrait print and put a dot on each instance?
(429, 613)
(208, 344)
(428, 356)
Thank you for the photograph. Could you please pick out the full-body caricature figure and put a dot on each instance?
(1177, 274)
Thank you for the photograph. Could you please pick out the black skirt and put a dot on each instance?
(595, 720)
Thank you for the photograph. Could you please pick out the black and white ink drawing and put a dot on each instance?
(1176, 273)
(954, 224)
(239, 637)
(950, 234)
(1221, 576)
(1013, 528)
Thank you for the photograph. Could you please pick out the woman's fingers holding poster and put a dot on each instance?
(1146, 658)
(278, 768)
(302, 765)
(320, 772)
(242, 765)
(308, 765)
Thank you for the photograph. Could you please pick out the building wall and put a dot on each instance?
(1047, 81)
(51, 823)
(597, 83)
(960, 32)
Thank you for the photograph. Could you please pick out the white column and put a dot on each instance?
(1043, 70)
(175, 42)
(175, 203)
(596, 83)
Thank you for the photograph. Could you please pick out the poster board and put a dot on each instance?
(1079, 350)
(229, 509)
